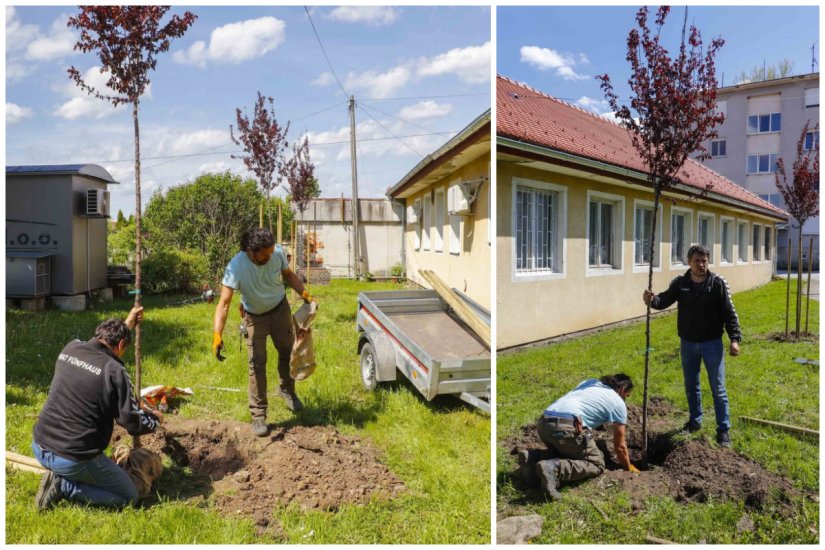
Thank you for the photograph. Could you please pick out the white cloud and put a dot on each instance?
(218, 167)
(15, 113)
(324, 79)
(471, 64)
(18, 35)
(426, 109)
(197, 142)
(372, 15)
(59, 43)
(16, 71)
(236, 42)
(83, 105)
(546, 58)
(598, 106)
(379, 85)
(374, 141)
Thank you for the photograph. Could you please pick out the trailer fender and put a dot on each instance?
(384, 355)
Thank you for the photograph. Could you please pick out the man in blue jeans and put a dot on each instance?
(89, 392)
(705, 309)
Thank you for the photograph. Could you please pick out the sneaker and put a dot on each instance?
(691, 426)
(527, 459)
(548, 472)
(49, 493)
(260, 427)
(723, 439)
(291, 399)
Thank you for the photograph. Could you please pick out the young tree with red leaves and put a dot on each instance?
(675, 101)
(127, 40)
(801, 195)
(300, 176)
(264, 142)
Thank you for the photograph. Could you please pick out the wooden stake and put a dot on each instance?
(459, 307)
(808, 286)
(280, 224)
(779, 425)
(22, 462)
(261, 215)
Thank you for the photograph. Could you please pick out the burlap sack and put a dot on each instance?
(142, 465)
(302, 362)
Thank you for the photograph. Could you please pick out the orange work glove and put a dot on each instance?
(633, 469)
(217, 345)
(307, 298)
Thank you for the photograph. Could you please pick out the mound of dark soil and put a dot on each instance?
(688, 470)
(315, 467)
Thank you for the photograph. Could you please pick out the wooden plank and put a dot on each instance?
(779, 425)
(459, 307)
(656, 540)
(22, 462)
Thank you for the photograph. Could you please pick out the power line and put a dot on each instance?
(324, 51)
(426, 97)
(399, 118)
(365, 108)
(319, 112)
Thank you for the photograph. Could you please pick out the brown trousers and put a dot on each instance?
(277, 325)
(579, 458)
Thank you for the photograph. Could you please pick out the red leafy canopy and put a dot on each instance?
(675, 99)
(801, 195)
(264, 142)
(127, 40)
(300, 175)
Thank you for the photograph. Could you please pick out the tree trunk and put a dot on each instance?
(138, 253)
(808, 285)
(788, 293)
(799, 285)
(656, 196)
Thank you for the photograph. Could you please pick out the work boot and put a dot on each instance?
(49, 493)
(259, 426)
(723, 439)
(527, 459)
(291, 399)
(691, 426)
(548, 472)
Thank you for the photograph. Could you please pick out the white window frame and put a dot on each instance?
(418, 225)
(721, 140)
(617, 268)
(426, 220)
(731, 258)
(455, 229)
(758, 124)
(739, 225)
(711, 232)
(657, 253)
(561, 231)
(440, 209)
(688, 213)
(767, 248)
(814, 140)
(771, 165)
(756, 228)
(811, 97)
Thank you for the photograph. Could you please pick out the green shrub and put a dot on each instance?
(171, 270)
(397, 270)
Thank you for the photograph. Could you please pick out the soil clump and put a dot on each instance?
(315, 467)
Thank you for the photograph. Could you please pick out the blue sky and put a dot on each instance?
(559, 49)
(229, 54)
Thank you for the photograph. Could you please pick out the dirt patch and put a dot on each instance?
(688, 470)
(315, 467)
(790, 338)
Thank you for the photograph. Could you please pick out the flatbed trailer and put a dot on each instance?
(416, 333)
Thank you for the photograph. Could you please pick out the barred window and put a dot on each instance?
(537, 243)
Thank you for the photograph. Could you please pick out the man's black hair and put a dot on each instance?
(698, 249)
(618, 382)
(112, 331)
(257, 239)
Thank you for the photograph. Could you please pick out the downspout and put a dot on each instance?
(403, 205)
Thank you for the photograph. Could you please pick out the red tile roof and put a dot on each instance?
(528, 115)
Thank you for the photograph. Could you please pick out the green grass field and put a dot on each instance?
(440, 450)
(762, 382)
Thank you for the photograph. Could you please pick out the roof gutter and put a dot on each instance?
(433, 160)
(567, 158)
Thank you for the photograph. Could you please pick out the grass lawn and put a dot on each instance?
(762, 382)
(440, 450)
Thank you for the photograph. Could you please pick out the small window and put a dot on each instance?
(757, 247)
(643, 225)
(727, 241)
(603, 234)
(417, 234)
(679, 231)
(811, 140)
(743, 242)
(705, 233)
(718, 148)
(762, 164)
(812, 97)
(767, 243)
(438, 234)
(759, 124)
(426, 223)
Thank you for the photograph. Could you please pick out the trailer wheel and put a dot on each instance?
(369, 367)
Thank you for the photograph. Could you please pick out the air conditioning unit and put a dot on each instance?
(459, 200)
(97, 202)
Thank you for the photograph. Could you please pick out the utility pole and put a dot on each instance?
(355, 247)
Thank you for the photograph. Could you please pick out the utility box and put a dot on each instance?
(60, 211)
(28, 274)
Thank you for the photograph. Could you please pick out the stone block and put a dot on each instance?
(32, 304)
(70, 303)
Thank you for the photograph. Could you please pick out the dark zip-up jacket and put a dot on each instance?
(89, 391)
(703, 312)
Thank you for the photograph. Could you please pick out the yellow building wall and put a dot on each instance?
(528, 311)
(469, 270)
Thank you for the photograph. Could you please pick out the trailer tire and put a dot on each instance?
(369, 367)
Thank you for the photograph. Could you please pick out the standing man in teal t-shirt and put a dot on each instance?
(260, 271)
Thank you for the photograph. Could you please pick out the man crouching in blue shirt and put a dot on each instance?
(566, 428)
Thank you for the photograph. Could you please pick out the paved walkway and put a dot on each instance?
(814, 283)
